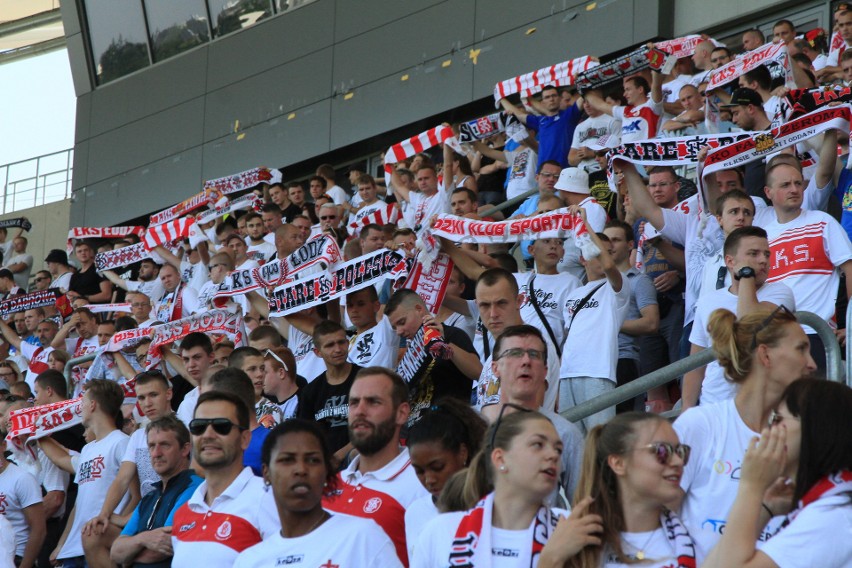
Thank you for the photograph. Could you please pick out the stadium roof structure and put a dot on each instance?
(29, 28)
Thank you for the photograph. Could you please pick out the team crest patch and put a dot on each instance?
(224, 531)
(372, 505)
(764, 143)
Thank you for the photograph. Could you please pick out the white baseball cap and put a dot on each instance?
(574, 180)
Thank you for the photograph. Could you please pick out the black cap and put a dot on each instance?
(58, 256)
(743, 97)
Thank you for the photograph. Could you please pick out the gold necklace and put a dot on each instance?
(640, 551)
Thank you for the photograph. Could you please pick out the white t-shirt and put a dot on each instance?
(803, 255)
(719, 439)
(37, 363)
(18, 490)
(137, 453)
(96, 469)
(164, 309)
(656, 548)
(776, 109)
(421, 208)
(822, 529)
(378, 346)
(716, 387)
(416, 516)
(342, 541)
(152, 288)
(682, 226)
(308, 363)
(337, 194)
(551, 291)
(186, 408)
(522, 162)
(51, 478)
(589, 131)
(260, 253)
(639, 122)
(195, 275)
(62, 281)
(597, 218)
(22, 278)
(597, 323)
(465, 323)
(77, 347)
(7, 544)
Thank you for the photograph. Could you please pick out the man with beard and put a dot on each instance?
(379, 483)
(231, 510)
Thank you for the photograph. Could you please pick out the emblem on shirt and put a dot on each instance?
(2, 503)
(91, 470)
(291, 559)
(372, 505)
(763, 143)
(224, 531)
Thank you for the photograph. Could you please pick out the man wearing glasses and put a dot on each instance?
(42, 280)
(140, 309)
(231, 510)
(149, 280)
(146, 538)
(521, 364)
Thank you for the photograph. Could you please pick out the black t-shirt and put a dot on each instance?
(328, 406)
(443, 378)
(291, 212)
(86, 283)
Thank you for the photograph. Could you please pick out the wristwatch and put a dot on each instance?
(744, 272)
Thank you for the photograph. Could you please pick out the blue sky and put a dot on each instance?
(39, 107)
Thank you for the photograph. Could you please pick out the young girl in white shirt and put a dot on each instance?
(762, 352)
(806, 441)
(440, 444)
(631, 471)
(517, 469)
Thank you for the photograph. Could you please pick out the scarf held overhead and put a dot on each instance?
(31, 301)
(560, 75)
(102, 233)
(213, 321)
(414, 145)
(244, 180)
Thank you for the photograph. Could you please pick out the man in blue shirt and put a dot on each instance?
(146, 539)
(555, 127)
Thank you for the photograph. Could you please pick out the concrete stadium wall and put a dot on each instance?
(50, 230)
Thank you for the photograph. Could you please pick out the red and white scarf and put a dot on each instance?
(414, 145)
(381, 216)
(763, 55)
(828, 486)
(684, 46)
(248, 201)
(105, 308)
(243, 180)
(211, 322)
(559, 75)
(472, 542)
(615, 70)
(204, 197)
(124, 256)
(122, 340)
(555, 224)
(101, 233)
(177, 229)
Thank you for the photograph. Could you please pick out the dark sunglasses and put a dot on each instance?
(328, 217)
(221, 426)
(765, 323)
(42, 278)
(500, 419)
(664, 451)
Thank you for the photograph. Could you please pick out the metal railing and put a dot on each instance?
(69, 366)
(834, 371)
(36, 181)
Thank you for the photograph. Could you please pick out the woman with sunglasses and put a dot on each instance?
(631, 469)
(441, 443)
(807, 440)
(297, 466)
(510, 477)
(763, 352)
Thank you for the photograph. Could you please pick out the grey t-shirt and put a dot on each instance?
(642, 295)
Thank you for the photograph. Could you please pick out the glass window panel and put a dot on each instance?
(288, 5)
(117, 31)
(231, 15)
(175, 26)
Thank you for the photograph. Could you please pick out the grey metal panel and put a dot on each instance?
(143, 142)
(275, 93)
(82, 118)
(275, 143)
(495, 17)
(144, 94)
(556, 39)
(70, 17)
(391, 103)
(403, 43)
(652, 18)
(355, 18)
(79, 66)
(81, 164)
(141, 191)
(270, 43)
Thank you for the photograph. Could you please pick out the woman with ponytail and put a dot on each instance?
(806, 440)
(763, 353)
(508, 482)
(631, 469)
(441, 443)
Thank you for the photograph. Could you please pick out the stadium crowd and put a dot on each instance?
(179, 394)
